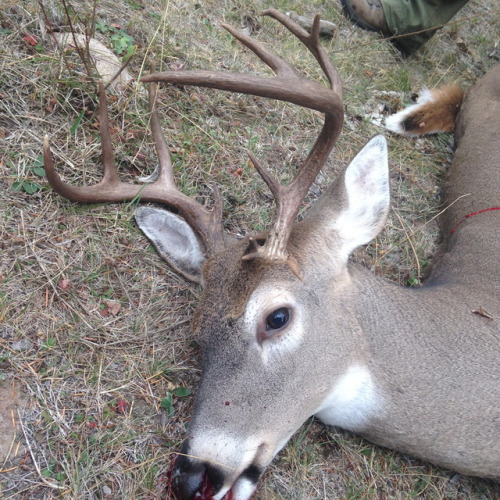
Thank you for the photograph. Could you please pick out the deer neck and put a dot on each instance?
(402, 324)
(419, 397)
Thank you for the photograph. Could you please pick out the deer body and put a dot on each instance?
(290, 328)
(435, 362)
(422, 362)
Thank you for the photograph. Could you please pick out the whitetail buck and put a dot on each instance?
(290, 328)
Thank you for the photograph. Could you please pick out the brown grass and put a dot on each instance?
(95, 423)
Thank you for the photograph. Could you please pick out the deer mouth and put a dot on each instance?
(203, 481)
(206, 490)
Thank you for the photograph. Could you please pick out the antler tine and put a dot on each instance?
(110, 177)
(276, 63)
(290, 197)
(311, 41)
(287, 86)
(207, 224)
(283, 87)
(166, 173)
(271, 182)
(108, 158)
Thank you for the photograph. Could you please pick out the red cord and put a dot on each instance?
(472, 215)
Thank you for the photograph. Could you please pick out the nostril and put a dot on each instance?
(213, 481)
(195, 479)
(187, 475)
(186, 485)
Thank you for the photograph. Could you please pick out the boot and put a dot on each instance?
(367, 14)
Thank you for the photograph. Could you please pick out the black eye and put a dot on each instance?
(277, 319)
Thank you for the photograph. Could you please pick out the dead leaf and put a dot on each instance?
(64, 284)
(177, 66)
(30, 40)
(50, 106)
(121, 406)
(104, 312)
(462, 46)
(107, 64)
(113, 306)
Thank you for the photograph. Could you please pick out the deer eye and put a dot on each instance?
(278, 319)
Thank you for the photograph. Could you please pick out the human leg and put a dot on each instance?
(398, 17)
(418, 16)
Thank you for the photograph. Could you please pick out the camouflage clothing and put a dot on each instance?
(425, 16)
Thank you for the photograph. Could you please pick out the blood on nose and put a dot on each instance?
(194, 479)
(206, 490)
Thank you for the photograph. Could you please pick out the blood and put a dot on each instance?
(206, 491)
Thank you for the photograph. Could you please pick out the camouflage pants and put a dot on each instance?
(422, 16)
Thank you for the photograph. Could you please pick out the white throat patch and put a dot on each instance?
(352, 401)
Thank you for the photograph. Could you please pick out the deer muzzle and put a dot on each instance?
(199, 479)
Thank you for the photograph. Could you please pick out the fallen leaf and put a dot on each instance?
(107, 64)
(64, 284)
(113, 306)
(104, 312)
(50, 105)
(121, 406)
(177, 66)
(30, 40)
(462, 46)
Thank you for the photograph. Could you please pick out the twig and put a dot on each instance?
(81, 53)
(122, 67)
(408, 237)
(439, 214)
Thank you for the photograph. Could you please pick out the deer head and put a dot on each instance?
(271, 303)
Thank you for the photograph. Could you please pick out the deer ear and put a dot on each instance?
(174, 240)
(367, 196)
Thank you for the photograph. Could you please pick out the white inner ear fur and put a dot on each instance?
(174, 240)
(367, 186)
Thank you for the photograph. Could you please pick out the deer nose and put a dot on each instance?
(204, 478)
(192, 478)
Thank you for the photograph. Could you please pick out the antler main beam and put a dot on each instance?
(287, 86)
(206, 223)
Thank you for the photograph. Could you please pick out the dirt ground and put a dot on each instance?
(12, 402)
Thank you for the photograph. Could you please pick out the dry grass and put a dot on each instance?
(95, 382)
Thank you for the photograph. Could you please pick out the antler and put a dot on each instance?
(207, 224)
(288, 86)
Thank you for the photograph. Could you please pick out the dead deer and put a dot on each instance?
(289, 327)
